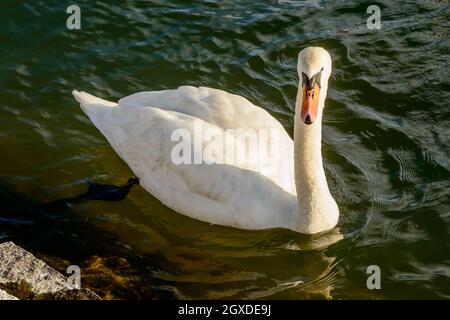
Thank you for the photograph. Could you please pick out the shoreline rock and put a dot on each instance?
(23, 276)
(6, 296)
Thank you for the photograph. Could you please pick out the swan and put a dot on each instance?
(293, 194)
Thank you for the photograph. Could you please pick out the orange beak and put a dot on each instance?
(310, 104)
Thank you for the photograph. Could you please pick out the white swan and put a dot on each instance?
(245, 195)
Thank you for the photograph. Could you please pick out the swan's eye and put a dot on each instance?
(310, 82)
(305, 80)
(317, 77)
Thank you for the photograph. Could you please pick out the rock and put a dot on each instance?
(82, 294)
(26, 277)
(6, 296)
(17, 265)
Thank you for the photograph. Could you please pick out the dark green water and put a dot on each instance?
(386, 143)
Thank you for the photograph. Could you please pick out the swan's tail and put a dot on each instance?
(86, 100)
(91, 105)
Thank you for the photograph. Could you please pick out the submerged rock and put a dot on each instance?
(26, 277)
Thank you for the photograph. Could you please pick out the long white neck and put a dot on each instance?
(317, 209)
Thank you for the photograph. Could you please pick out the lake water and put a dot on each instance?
(385, 144)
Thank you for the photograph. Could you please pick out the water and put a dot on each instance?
(385, 144)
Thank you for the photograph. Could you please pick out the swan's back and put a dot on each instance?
(214, 106)
(139, 128)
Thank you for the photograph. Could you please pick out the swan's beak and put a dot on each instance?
(310, 104)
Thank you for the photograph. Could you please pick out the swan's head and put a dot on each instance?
(314, 69)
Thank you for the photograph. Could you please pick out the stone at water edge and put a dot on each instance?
(19, 267)
(6, 296)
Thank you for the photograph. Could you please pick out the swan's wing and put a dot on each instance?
(221, 194)
(214, 106)
(227, 111)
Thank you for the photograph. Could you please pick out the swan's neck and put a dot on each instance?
(317, 209)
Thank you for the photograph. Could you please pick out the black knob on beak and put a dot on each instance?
(308, 120)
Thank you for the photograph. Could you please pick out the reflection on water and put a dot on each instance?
(386, 151)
